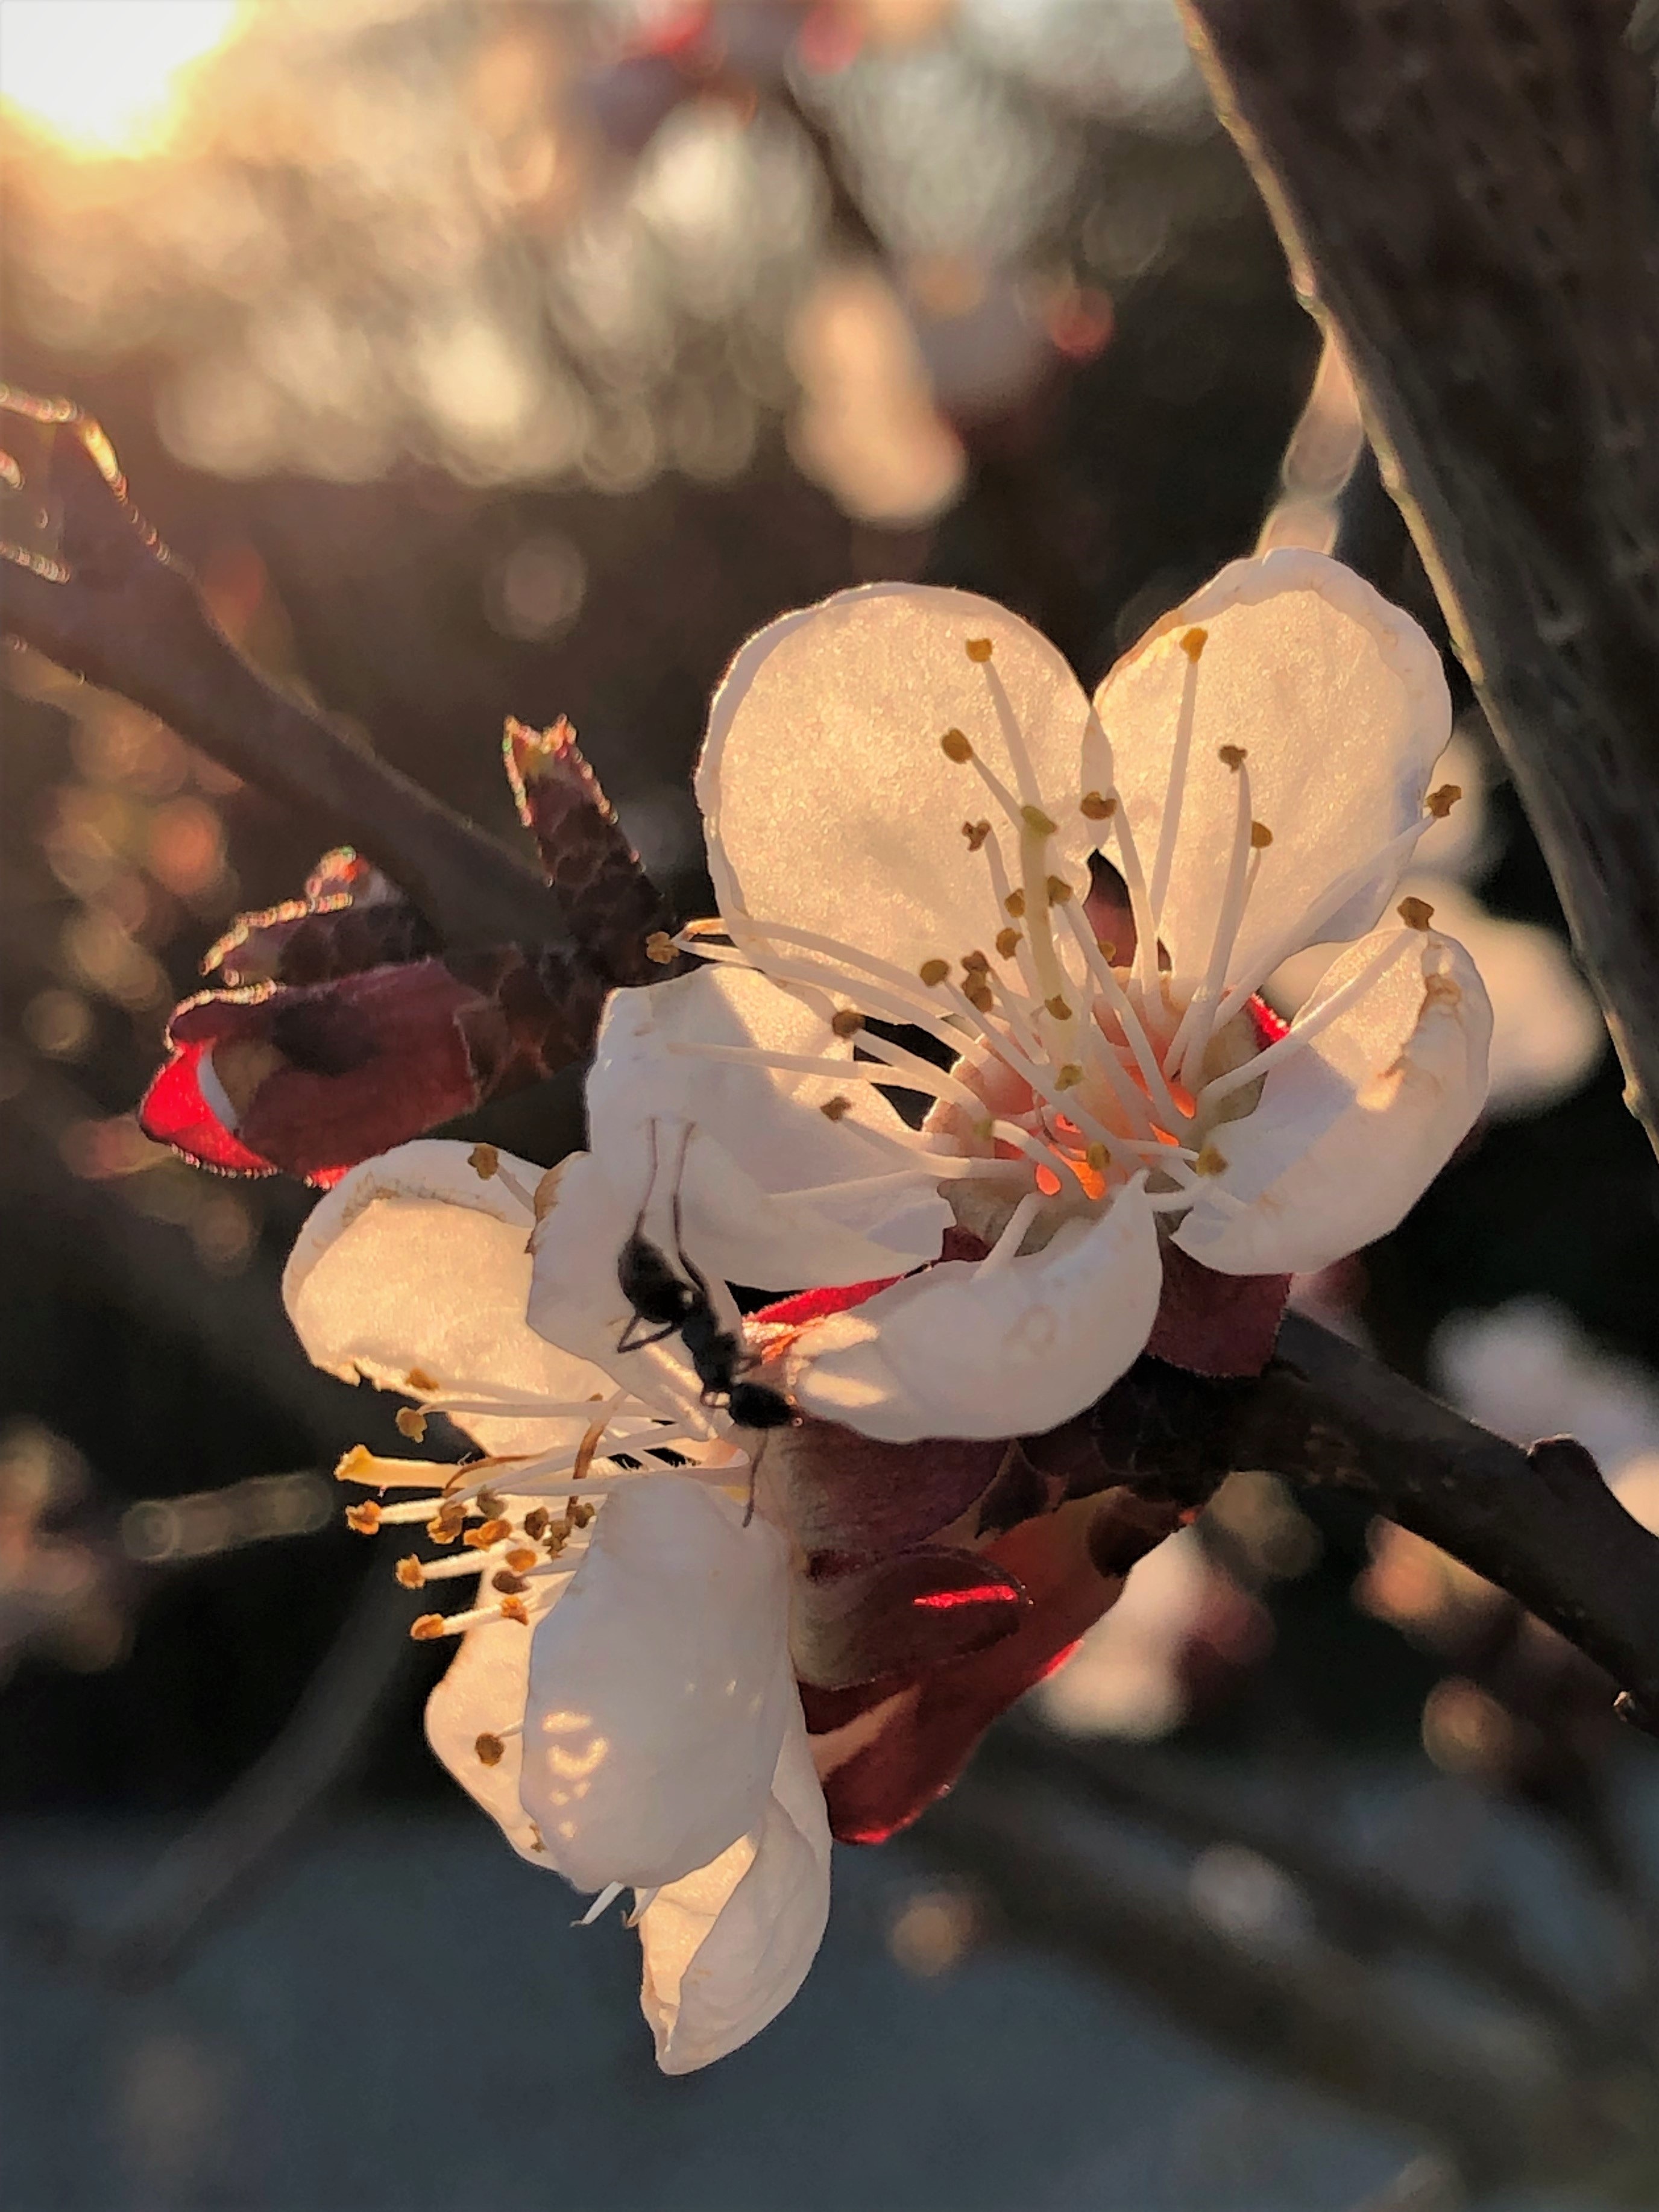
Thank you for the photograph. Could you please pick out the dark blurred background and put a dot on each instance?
(487, 358)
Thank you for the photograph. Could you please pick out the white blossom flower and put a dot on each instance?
(622, 1702)
(902, 791)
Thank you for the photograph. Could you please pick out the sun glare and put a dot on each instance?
(101, 75)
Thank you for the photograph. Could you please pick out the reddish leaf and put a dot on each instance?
(851, 1622)
(884, 1751)
(609, 903)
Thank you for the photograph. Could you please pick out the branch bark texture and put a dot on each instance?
(103, 598)
(1465, 190)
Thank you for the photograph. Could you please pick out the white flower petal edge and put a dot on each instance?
(823, 790)
(1337, 701)
(1350, 1131)
(373, 1287)
(481, 1702)
(660, 1688)
(727, 1948)
(992, 1348)
(773, 1193)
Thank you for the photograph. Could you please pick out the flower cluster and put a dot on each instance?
(975, 1079)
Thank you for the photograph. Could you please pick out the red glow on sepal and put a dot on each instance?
(175, 1112)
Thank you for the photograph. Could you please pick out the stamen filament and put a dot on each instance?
(1304, 929)
(1007, 1245)
(1140, 1044)
(1193, 1029)
(1176, 791)
(1306, 1026)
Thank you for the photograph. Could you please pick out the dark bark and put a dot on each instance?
(1465, 190)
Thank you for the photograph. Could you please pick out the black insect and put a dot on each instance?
(665, 1299)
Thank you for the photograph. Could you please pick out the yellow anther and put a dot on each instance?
(1068, 1076)
(1261, 837)
(418, 1379)
(1015, 904)
(1058, 1007)
(977, 993)
(445, 1525)
(1415, 913)
(975, 833)
(356, 1464)
(975, 963)
(1097, 1156)
(954, 745)
(427, 1628)
(490, 1532)
(1037, 822)
(833, 1109)
(484, 1160)
(411, 1423)
(490, 1750)
(1440, 803)
(1097, 806)
(979, 648)
(847, 1021)
(364, 1518)
(507, 1582)
(934, 972)
(513, 1608)
(1194, 643)
(1210, 1162)
(1007, 940)
(1059, 891)
(411, 1573)
(660, 946)
(1232, 756)
(522, 1560)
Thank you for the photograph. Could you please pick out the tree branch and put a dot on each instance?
(1465, 189)
(89, 585)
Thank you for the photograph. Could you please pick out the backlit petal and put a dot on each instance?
(660, 1689)
(1338, 701)
(482, 1696)
(956, 1352)
(415, 1261)
(1350, 1131)
(773, 1191)
(827, 799)
(726, 1948)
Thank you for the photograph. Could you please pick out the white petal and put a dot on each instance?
(827, 800)
(482, 1694)
(726, 1948)
(953, 1352)
(1340, 704)
(414, 1260)
(576, 1299)
(1548, 1033)
(763, 1196)
(1350, 1131)
(659, 1687)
